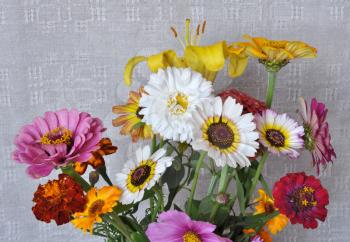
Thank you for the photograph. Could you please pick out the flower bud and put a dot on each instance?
(222, 198)
(93, 177)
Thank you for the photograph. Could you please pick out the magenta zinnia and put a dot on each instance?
(57, 139)
(177, 226)
(317, 138)
(301, 198)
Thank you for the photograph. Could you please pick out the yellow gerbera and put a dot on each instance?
(207, 60)
(278, 50)
(130, 118)
(99, 201)
(266, 205)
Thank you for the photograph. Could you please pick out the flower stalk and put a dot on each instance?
(195, 180)
(271, 75)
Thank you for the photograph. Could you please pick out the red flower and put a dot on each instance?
(58, 200)
(301, 198)
(250, 104)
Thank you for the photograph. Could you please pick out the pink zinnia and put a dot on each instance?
(317, 138)
(177, 226)
(57, 139)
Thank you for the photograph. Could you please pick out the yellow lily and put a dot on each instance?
(207, 60)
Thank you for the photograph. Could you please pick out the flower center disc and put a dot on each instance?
(96, 207)
(140, 175)
(59, 135)
(140, 116)
(177, 103)
(275, 137)
(303, 198)
(191, 237)
(220, 135)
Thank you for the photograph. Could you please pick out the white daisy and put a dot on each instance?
(279, 133)
(138, 176)
(172, 97)
(227, 135)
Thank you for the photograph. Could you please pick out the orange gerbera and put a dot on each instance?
(58, 200)
(130, 118)
(266, 205)
(97, 160)
(99, 201)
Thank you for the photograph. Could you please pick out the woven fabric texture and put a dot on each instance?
(71, 53)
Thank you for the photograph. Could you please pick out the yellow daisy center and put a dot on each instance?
(221, 133)
(96, 207)
(275, 137)
(177, 103)
(141, 175)
(191, 237)
(59, 135)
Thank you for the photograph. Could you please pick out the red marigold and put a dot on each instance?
(250, 104)
(58, 200)
(301, 198)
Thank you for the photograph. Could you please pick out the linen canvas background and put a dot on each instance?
(71, 53)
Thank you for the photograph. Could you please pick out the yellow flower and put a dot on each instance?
(207, 60)
(130, 118)
(278, 51)
(266, 205)
(99, 201)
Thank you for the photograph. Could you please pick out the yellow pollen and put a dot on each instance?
(59, 135)
(96, 207)
(177, 103)
(191, 237)
(304, 202)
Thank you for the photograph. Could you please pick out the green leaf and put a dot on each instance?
(206, 205)
(240, 193)
(221, 215)
(173, 175)
(194, 212)
(138, 237)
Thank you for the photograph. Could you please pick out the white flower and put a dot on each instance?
(228, 136)
(279, 133)
(173, 95)
(142, 174)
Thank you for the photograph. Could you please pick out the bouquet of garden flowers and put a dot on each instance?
(189, 129)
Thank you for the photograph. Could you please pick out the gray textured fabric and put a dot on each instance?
(71, 53)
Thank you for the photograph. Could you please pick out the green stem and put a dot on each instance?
(212, 184)
(153, 211)
(160, 205)
(224, 178)
(213, 212)
(195, 180)
(69, 170)
(257, 175)
(154, 144)
(271, 75)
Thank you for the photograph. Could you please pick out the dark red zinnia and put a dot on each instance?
(58, 200)
(250, 104)
(301, 198)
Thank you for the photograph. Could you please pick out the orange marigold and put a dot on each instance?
(97, 160)
(58, 200)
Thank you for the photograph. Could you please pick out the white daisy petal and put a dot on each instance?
(136, 176)
(172, 101)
